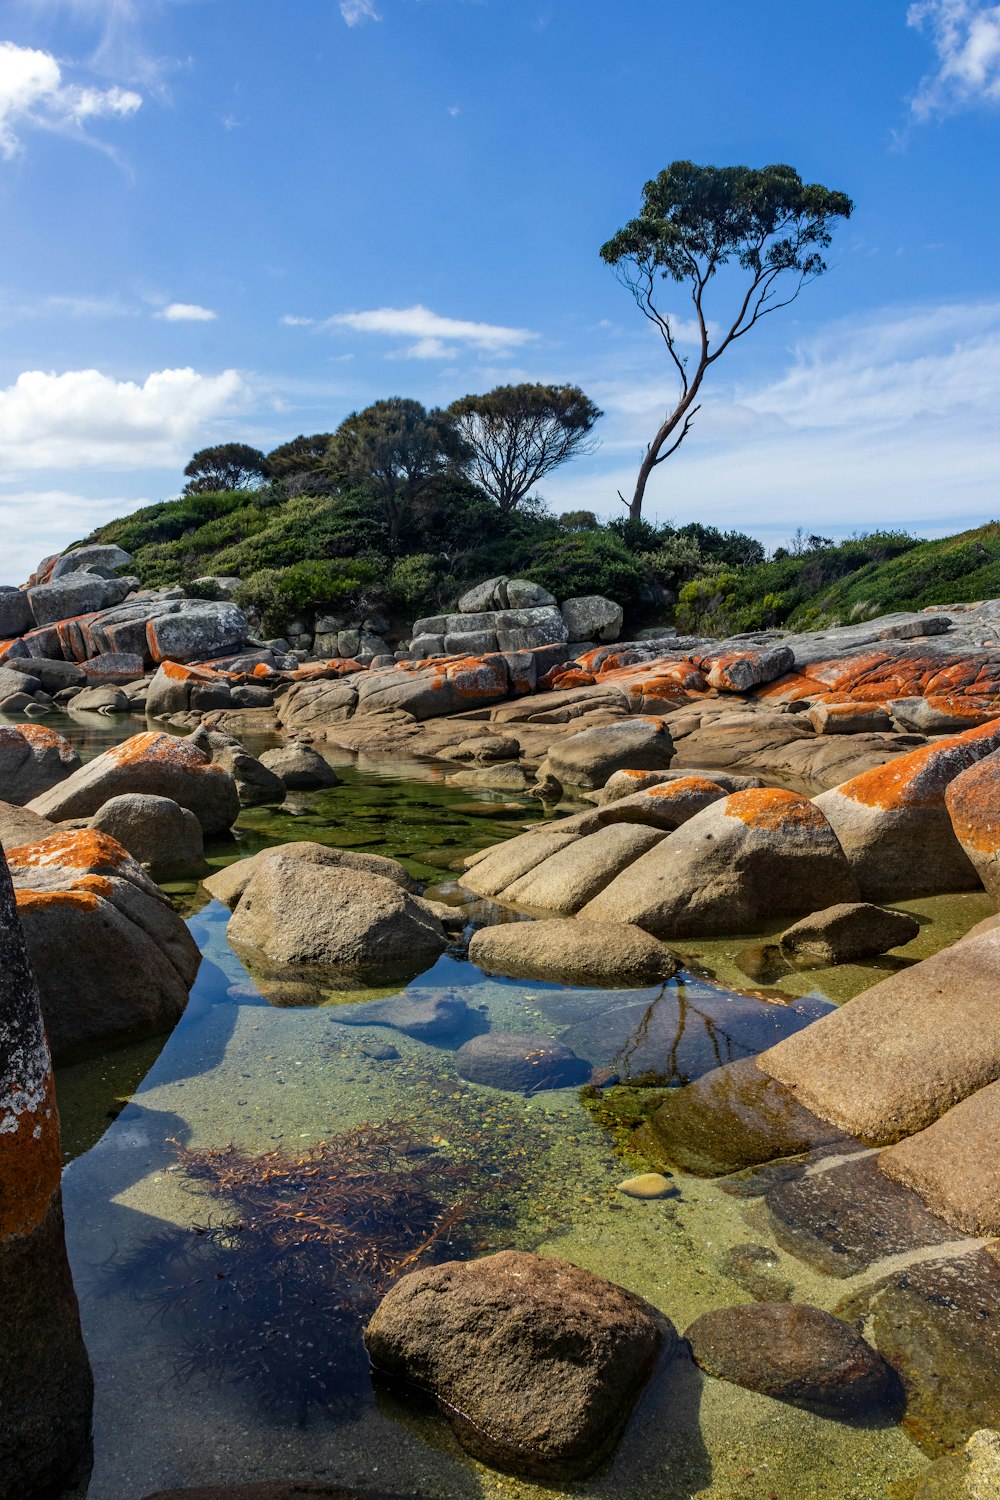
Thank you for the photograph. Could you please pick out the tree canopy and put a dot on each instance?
(516, 434)
(395, 448)
(696, 221)
(303, 455)
(227, 466)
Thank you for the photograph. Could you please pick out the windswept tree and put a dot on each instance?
(395, 448)
(516, 434)
(227, 466)
(767, 226)
(303, 455)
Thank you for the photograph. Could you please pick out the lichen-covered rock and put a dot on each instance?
(665, 806)
(104, 559)
(46, 1388)
(197, 632)
(113, 668)
(739, 862)
(893, 822)
(332, 917)
(177, 689)
(111, 956)
(536, 1363)
(597, 953)
(429, 689)
(845, 933)
(33, 760)
(158, 764)
(159, 833)
(590, 756)
(795, 1353)
(973, 803)
(849, 718)
(740, 671)
(76, 594)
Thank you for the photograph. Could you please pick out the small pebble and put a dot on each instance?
(647, 1185)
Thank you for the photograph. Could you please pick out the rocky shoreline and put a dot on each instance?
(810, 782)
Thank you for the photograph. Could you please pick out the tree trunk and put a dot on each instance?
(669, 426)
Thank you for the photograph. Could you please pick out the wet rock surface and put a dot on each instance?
(425, 1017)
(520, 1062)
(536, 1363)
(852, 930)
(795, 1353)
(300, 767)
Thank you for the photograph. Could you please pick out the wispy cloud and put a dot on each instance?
(886, 420)
(187, 312)
(356, 11)
(86, 419)
(966, 37)
(292, 320)
(431, 331)
(33, 94)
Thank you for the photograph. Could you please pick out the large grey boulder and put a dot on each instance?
(737, 864)
(177, 689)
(426, 692)
(590, 756)
(19, 825)
(104, 559)
(568, 878)
(76, 594)
(33, 759)
(46, 1387)
(332, 917)
(228, 884)
(15, 612)
(53, 676)
(536, 1363)
(592, 618)
(112, 957)
(573, 952)
(197, 632)
(158, 832)
(158, 764)
(521, 629)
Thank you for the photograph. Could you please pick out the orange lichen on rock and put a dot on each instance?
(316, 671)
(920, 778)
(82, 849)
(40, 900)
(560, 677)
(973, 801)
(772, 808)
(154, 745)
(684, 786)
(31, 1160)
(40, 738)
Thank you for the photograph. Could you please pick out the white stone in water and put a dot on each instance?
(646, 1185)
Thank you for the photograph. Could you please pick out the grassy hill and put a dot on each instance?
(302, 552)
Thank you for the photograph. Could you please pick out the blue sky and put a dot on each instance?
(243, 219)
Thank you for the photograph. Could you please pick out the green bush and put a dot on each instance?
(277, 595)
(589, 562)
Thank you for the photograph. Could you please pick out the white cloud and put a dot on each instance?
(430, 330)
(291, 321)
(356, 11)
(85, 419)
(187, 312)
(966, 37)
(883, 421)
(35, 523)
(33, 94)
(428, 348)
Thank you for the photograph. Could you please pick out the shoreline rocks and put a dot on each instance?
(573, 952)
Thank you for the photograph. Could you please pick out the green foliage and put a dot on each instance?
(276, 595)
(415, 582)
(227, 466)
(395, 449)
(303, 455)
(587, 562)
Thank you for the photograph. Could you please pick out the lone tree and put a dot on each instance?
(697, 220)
(228, 466)
(395, 448)
(516, 434)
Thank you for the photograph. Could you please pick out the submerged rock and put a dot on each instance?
(46, 1387)
(521, 1062)
(426, 1018)
(795, 1353)
(573, 951)
(536, 1363)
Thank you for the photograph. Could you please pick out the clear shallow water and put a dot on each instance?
(237, 1070)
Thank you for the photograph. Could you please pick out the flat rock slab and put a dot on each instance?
(536, 1363)
(846, 1218)
(795, 1353)
(902, 1053)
